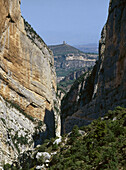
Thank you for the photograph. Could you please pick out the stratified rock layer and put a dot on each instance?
(108, 88)
(27, 74)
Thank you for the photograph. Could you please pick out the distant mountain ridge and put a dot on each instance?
(87, 48)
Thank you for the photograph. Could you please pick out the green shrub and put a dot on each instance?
(42, 148)
(103, 146)
(54, 147)
(40, 161)
(74, 134)
(14, 168)
(7, 166)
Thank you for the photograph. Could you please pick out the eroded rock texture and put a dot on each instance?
(27, 74)
(106, 86)
(16, 132)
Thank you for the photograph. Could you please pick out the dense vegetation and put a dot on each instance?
(100, 145)
(103, 145)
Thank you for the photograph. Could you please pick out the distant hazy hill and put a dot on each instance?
(88, 48)
(64, 49)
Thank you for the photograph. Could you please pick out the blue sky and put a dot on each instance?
(74, 21)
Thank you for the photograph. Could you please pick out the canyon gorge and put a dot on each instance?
(30, 108)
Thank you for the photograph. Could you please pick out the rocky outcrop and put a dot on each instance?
(107, 82)
(27, 74)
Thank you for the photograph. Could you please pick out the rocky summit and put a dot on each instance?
(105, 87)
(27, 83)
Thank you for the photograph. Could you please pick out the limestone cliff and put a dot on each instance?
(16, 132)
(27, 74)
(105, 88)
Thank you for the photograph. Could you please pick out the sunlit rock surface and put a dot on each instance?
(27, 76)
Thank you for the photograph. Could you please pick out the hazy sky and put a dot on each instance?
(74, 21)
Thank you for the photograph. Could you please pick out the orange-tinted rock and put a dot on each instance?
(27, 75)
(27, 85)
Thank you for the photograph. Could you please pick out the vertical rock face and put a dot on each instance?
(16, 132)
(108, 88)
(27, 74)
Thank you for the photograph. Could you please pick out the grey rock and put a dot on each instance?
(105, 88)
(57, 141)
(40, 167)
(46, 155)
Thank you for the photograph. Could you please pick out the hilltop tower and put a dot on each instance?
(64, 42)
